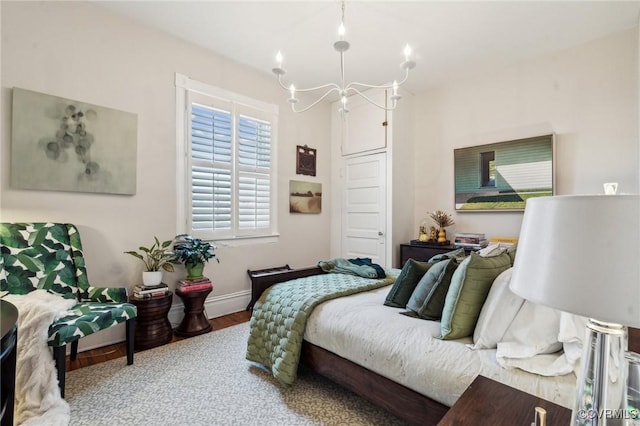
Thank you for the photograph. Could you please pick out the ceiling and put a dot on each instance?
(449, 38)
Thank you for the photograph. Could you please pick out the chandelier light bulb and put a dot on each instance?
(407, 52)
(279, 59)
(395, 87)
(341, 31)
(292, 89)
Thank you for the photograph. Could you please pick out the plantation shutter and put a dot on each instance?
(211, 169)
(230, 168)
(254, 165)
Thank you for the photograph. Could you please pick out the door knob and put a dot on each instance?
(380, 233)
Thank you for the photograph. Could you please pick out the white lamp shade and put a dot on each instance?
(581, 254)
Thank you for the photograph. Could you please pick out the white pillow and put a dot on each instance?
(498, 311)
(533, 331)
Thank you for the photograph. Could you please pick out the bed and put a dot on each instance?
(329, 349)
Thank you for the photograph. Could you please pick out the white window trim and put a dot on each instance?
(184, 85)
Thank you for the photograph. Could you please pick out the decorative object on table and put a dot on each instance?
(194, 253)
(148, 292)
(305, 160)
(61, 144)
(427, 233)
(563, 264)
(470, 241)
(343, 89)
(305, 197)
(442, 219)
(502, 176)
(194, 285)
(159, 255)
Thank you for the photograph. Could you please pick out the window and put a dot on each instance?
(488, 168)
(227, 149)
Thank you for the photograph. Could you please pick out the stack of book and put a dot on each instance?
(200, 284)
(470, 241)
(148, 292)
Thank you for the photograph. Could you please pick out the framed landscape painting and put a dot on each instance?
(502, 176)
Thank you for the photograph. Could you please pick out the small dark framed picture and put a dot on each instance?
(305, 160)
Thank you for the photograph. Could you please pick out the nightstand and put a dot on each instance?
(421, 253)
(487, 402)
(152, 324)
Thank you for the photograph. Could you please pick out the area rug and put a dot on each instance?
(206, 380)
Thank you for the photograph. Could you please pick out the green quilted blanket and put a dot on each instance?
(280, 316)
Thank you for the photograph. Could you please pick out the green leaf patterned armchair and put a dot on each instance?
(49, 256)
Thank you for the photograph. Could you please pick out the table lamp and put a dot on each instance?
(581, 254)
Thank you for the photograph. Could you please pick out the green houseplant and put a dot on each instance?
(156, 257)
(194, 253)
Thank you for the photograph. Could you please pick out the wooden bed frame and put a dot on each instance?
(408, 405)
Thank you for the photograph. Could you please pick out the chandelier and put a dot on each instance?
(344, 89)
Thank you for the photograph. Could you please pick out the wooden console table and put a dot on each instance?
(195, 320)
(152, 324)
(487, 402)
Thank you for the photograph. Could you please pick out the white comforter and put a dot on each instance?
(361, 329)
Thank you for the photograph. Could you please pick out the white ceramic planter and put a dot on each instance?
(150, 278)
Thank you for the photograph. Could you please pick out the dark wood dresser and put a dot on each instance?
(421, 253)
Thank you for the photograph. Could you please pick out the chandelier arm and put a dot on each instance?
(293, 108)
(373, 86)
(332, 87)
(372, 102)
(310, 89)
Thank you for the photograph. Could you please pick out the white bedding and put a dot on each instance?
(361, 329)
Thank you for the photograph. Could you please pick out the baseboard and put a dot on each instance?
(214, 306)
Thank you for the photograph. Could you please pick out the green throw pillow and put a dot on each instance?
(511, 251)
(411, 273)
(427, 300)
(469, 287)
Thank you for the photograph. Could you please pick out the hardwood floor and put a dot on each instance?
(107, 353)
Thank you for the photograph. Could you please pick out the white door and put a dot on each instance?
(364, 208)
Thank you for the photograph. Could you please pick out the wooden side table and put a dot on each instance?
(152, 324)
(487, 402)
(195, 320)
(8, 353)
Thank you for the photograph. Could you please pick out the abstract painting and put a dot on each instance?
(60, 144)
(305, 197)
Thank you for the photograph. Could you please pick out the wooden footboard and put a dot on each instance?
(262, 279)
(408, 405)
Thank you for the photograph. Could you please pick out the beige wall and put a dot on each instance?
(82, 52)
(587, 96)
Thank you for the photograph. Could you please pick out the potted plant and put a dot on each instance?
(194, 253)
(158, 256)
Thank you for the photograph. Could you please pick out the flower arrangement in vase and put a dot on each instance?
(442, 219)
